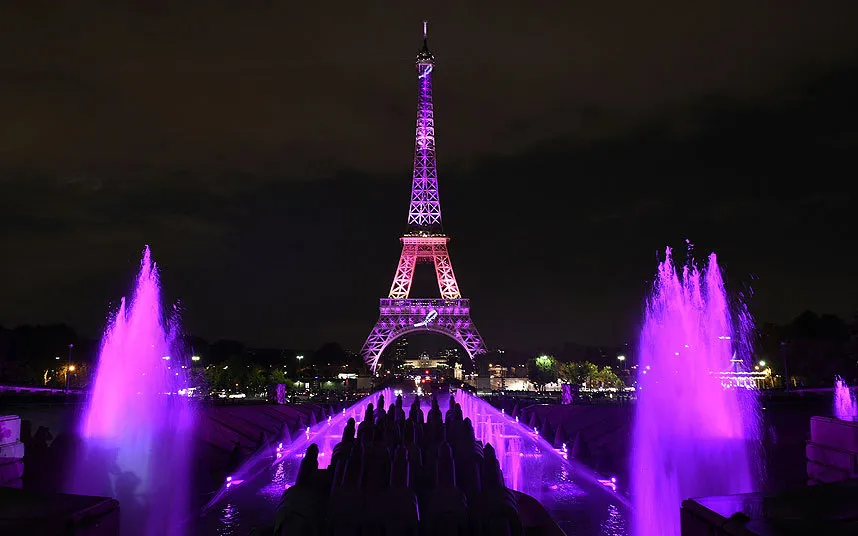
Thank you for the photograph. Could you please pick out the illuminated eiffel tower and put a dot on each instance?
(425, 241)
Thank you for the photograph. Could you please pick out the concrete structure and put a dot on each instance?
(830, 509)
(511, 384)
(829, 506)
(57, 514)
(832, 451)
(11, 451)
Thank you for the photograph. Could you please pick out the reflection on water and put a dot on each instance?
(564, 490)
(284, 477)
(615, 525)
(230, 521)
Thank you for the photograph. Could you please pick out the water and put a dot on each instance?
(136, 430)
(845, 405)
(692, 436)
(280, 460)
(580, 501)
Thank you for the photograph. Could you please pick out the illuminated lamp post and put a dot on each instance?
(69, 367)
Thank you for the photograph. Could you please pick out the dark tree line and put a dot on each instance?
(29, 356)
(812, 349)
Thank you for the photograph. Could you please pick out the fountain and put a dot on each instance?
(529, 463)
(845, 405)
(693, 437)
(135, 431)
(286, 455)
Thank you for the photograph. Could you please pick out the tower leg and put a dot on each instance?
(444, 271)
(382, 334)
(401, 286)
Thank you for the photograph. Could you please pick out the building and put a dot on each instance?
(425, 361)
(400, 350)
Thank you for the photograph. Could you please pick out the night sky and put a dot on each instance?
(264, 150)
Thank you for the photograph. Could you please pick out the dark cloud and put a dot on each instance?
(267, 86)
(264, 152)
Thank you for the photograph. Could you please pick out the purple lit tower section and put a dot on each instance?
(425, 241)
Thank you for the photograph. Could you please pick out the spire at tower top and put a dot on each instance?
(424, 215)
(425, 57)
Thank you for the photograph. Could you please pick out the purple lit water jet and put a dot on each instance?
(285, 455)
(136, 430)
(530, 464)
(692, 436)
(845, 404)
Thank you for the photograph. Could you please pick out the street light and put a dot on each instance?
(621, 357)
(195, 358)
(762, 363)
(69, 368)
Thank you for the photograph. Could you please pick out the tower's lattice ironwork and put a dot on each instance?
(425, 241)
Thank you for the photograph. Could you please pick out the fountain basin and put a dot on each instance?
(57, 514)
(830, 509)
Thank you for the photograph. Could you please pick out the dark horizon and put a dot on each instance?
(270, 171)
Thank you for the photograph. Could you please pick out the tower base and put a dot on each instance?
(398, 317)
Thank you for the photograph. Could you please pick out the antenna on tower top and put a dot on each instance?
(424, 56)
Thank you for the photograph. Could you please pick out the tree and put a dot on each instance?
(278, 376)
(330, 353)
(608, 378)
(581, 373)
(542, 370)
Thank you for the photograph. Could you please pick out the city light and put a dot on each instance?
(762, 363)
(71, 368)
(621, 357)
(195, 358)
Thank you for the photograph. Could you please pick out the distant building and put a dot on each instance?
(424, 361)
(740, 376)
(400, 349)
(451, 355)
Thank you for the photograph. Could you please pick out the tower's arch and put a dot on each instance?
(462, 337)
(451, 318)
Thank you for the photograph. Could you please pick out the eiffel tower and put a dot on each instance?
(425, 241)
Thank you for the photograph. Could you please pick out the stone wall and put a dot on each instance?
(11, 451)
(832, 451)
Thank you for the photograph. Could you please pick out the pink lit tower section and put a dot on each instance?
(425, 241)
